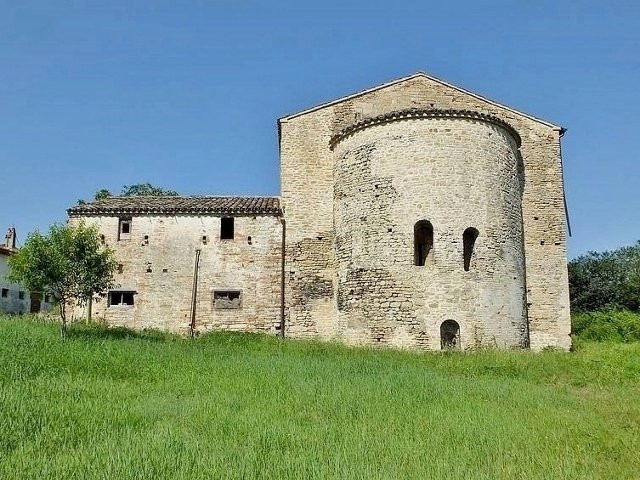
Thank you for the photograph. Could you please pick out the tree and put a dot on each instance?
(69, 263)
(606, 280)
(102, 194)
(137, 190)
(146, 190)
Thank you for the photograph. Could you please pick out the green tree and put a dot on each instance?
(69, 263)
(146, 190)
(137, 190)
(102, 194)
(600, 280)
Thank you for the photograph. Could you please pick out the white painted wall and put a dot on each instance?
(12, 302)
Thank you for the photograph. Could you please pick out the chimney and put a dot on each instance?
(10, 239)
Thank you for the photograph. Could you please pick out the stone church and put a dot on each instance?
(414, 214)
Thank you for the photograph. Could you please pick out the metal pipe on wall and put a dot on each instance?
(194, 295)
(282, 274)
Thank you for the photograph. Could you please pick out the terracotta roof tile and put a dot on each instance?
(201, 205)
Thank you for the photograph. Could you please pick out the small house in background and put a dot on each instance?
(14, 298)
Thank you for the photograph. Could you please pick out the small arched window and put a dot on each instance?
(468, 241)
(449, 335)
(422, 242)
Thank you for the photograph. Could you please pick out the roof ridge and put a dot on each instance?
(186, 196)
(175, 204)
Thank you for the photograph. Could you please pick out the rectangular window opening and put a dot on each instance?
(124, 229)
(21, 295)
(121, 298)
(5, 292)
(227, 228)
(227, 299)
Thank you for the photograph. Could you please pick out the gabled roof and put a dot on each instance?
(179, 205)
(411, 77)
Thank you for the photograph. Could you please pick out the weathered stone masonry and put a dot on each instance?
(378, 190)
(157, 261)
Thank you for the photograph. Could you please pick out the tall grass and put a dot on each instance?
(115, 404)
(607, 326)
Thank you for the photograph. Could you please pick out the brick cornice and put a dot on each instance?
(415, 113)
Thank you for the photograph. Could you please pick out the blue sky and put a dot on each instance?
(186, 94)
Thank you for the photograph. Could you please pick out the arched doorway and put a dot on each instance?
(449, 335)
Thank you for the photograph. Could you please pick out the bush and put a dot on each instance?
(619, 326)
(606, 280)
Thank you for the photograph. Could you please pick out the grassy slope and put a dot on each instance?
(104, 405)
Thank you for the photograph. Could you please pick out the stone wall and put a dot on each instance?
(157, 262)
(455, 174)
(308, 167)
(355, 180)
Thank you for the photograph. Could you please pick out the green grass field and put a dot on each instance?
(115, 405)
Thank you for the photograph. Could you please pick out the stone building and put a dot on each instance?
(414, 214)
(14, 298)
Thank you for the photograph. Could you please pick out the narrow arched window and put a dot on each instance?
(449, 335)
(422, 242)
(468, 241)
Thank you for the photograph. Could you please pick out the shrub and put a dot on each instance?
(620, 326)
(605, 280)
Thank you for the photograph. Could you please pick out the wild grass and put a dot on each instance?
(609, 325)
(116, 404)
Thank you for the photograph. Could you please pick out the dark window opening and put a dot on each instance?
(121, 298)
(5, 292)
(249, 241)
(36, 301)
(102, 239)
(146, 240)
(165, 270)
(47, 299)
(227, 228)
(204, 239)
(423, 243)
(120, 268)
(227, 299)
(124, 229)
(449, 335)
(469, 240)
(21, 295)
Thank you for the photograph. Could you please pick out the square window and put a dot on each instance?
(121, 298)
(227, 228)
(227, 299)
(5, 292)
